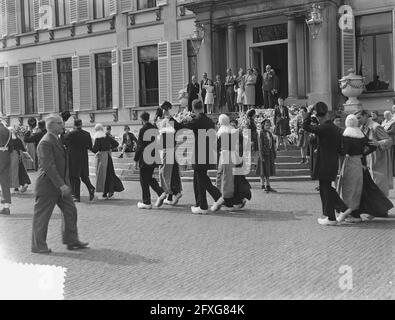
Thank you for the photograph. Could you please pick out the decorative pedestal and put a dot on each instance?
(352, 87)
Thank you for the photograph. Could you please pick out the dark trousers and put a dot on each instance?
(268, 99)
(43, 209)
(147, 180)
(76, 185)
(330, 200)
(5, 182)
(201, 184)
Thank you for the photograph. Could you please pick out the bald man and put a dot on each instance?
(53, 188)
(5, 167)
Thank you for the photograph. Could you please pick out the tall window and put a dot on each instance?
(62, 12)
(65, 79)
(144, 4)
(103, 80)
(30, 81)
(2, 94)
(100, 9)
(192, 60)
(148, 67)
(374, 50)
(27, 16)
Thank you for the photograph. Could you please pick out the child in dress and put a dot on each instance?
(209, 100)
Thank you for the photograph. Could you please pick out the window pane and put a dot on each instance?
(2, 98)
(104, 80)
(65, 77)
(374, 23)
(365, 58)
(149, 53)
(384, 65)
(144, 4)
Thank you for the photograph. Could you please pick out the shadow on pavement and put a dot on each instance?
(263, 215)
(109, 256)
(382, 223)
(28, 216)
(111, 202)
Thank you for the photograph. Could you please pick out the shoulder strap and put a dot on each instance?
(9, 139)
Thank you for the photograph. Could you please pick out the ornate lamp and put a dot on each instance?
(197, 39)
(315, 21)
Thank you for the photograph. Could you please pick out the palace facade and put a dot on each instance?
(109, 60)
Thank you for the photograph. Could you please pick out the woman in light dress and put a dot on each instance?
(239, 89)
(209, 99)
(250, 82)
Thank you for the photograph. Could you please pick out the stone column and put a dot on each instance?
(292, 59)
(232, 47)
(205, 53)
(323, 60)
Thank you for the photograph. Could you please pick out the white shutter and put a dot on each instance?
(76, 83)
(7, 90)
(14, 94)
(126, 5)
(36, 14)
(163, 71)
(348, 47)
(40, 87)
(112, 6)
(73, 7)
(11, 14)
(128, 78)
(85, 82)
(115, 78)
(48, 86)
(3, 28)
(178, 68)
(83, 10)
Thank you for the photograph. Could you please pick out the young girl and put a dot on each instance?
(209, 99)
(267, 153)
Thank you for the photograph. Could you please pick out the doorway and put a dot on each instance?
(276, 56)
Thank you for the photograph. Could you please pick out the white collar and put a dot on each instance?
(353, 132)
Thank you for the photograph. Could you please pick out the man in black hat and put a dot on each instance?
(78, 143)
(327, 163)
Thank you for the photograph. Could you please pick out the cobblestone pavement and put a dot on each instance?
(274, 250)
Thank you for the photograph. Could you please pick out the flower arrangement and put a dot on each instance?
(184, 116)
(20, 131)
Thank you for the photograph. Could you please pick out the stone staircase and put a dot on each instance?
(287, 168)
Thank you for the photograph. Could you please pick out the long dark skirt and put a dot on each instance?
(373, 200)
(22, 175)
(176, 186)
(113, 183)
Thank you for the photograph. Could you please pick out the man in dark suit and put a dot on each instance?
(78, 142)
(147, 166)
(53, 188)
(193, 92)
(326, 168)
(5, 167)
(270, 87)
(219, 95)
(203, 84)
(36, 137)
(201, 181)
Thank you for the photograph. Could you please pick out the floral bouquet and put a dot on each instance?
(20, 131)
(184, 116)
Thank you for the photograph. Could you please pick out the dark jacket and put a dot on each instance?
(141, 145)
(53, 169)
(35, 137)
(203, 122)
(5, 158)
(329, 141)
(193, 91)
(106, 143)
(281, 121)
(258, 90)
(78, 142)
(131, 142)
(203, 83)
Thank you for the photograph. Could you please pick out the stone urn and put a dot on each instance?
(352, 87)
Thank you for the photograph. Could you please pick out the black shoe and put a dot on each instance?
(5, 212)
(92, 194)
(263, 187)
(42, 251)
(270, 189)
(105, 195)
(77, 246)
(110, 195)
